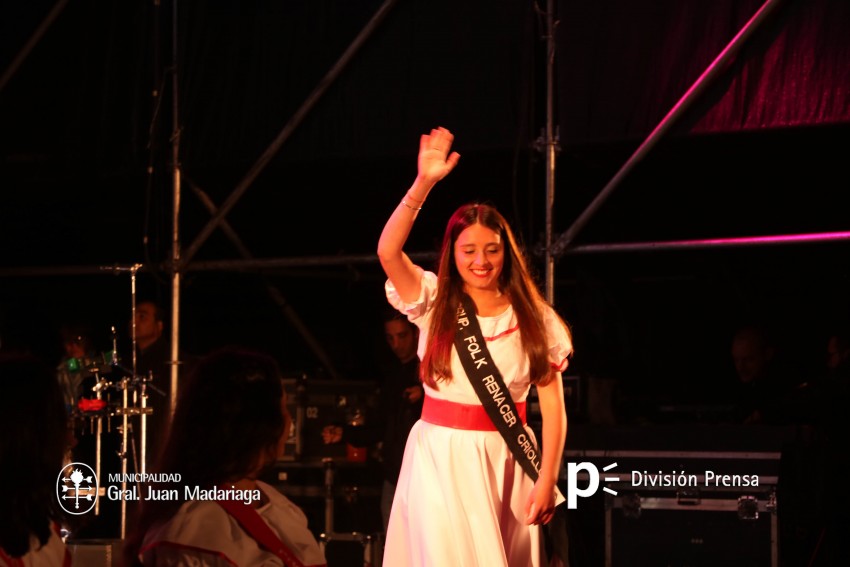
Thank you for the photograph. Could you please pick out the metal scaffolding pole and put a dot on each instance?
(551, 148)
(273, 291)
(298, 261)
(32, 42)
(175, 219)
(261, 264)
(711, 243)
(37, 271)
(287, 131)
(702, 83)
(179, 260)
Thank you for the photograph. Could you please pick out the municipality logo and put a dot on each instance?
(76, 488)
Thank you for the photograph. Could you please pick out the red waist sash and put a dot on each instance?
(462, 416)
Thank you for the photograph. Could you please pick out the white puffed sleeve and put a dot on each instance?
(558, 339)
(415, 310)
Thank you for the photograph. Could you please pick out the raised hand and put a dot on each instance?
(435, 161)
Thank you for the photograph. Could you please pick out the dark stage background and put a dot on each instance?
(86, 167)
(86, 129)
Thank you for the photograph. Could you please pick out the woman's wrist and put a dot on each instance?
(418, 192)
(416, 195)
(411, 202)
(544, 480)
(410, 205)
(414, 199)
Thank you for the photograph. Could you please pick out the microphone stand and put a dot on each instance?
(99, 385)
(125, 384)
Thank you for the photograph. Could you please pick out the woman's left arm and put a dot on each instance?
(541, 503)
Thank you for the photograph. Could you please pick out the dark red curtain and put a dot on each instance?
(622, 65)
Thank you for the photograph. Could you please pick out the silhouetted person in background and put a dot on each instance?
(771, 391)
(766, 384)
(89, 387)
(76, 382)
(400, 405)
(401, 400)
(838, 353)
(153, 358)
(834, 450)
(78, 354)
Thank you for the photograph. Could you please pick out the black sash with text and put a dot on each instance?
(490, 387)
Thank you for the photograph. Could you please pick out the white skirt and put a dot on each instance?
(460, 502)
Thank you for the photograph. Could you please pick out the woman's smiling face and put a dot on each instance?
(479, 257)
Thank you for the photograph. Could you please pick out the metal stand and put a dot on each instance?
(139, 386)
(99, 387)
(329, 535)
(126, 410)
(123, 454)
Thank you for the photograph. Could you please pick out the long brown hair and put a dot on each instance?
(228, 418)
(34, 425)
(515, 281)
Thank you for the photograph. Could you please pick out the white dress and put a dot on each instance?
(52, 554)
(203, 534)
(461, 496)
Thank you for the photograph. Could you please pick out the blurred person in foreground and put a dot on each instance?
(230, 423)
(32, 446)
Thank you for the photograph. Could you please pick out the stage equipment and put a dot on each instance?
(116, 397)
(337, 485)
(683, 494)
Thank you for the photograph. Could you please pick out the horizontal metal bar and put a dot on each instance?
(343, 260)
(734, 242)
(717, 67)
(269, 263)
(25, 271)
(293, 123)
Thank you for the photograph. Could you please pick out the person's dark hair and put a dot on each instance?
(759, 333)
(392, 314)
(80, 333)
(32, 447)
(841, 333)
(227, 424)
(515, 281)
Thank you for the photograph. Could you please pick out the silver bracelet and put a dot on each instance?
(403, 202)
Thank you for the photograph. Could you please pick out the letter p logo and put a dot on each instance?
(572, 482)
